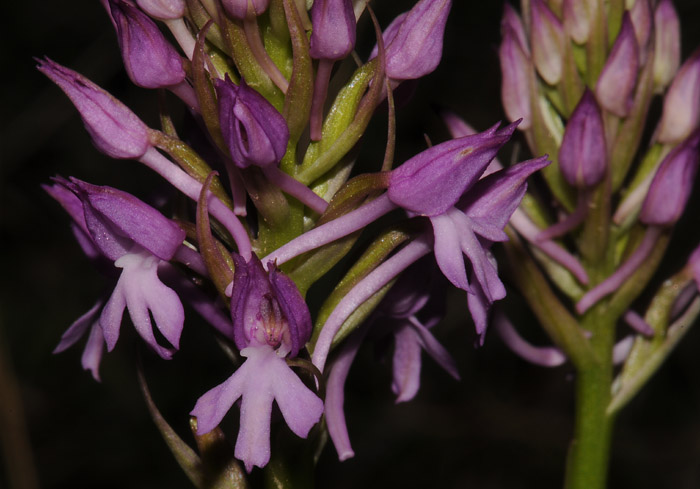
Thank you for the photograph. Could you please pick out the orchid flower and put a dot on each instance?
(271, 322)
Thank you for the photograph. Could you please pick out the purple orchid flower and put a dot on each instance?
(240, 9)
(137, 239)
(271, 321)
(150, 60)
(395, 316)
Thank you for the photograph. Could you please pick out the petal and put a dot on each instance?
(436, 351)
(215, 403)
(76, 330)
(111, 317)
(293, 307)
(301, 407)
(406, 364)
(448, 252)
(94, 348)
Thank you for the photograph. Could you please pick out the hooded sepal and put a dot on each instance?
(254, 131)
(434, 180)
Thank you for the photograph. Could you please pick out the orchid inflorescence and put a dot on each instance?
(275, 203)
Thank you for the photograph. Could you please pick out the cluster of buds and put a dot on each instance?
(582, 75)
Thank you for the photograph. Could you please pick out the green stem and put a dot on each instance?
(587, 463)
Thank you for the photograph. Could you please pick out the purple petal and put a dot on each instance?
(111, 317)
(94, 348)
(293, 307)
(433, 348)
(406, 364)
(335, 395)
(76, 330)
(301, 408)
(479, 306)
(215, 403)
(495, 198)
(115, 130)
(543, 356)
(250, 285)
(448, 251)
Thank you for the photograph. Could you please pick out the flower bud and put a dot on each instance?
(150, 61)
(681, 111)
(512, 21)
(615, 87)
(255, 133)
(114, 128)
(434, 180)
(667, 40)
(515, 84)
(547, 42)
(333, 35)
(583, 154)
(578, 15)
(670, 189)
(414, 40)
(238, 9)
(163, 9)
(641, 17)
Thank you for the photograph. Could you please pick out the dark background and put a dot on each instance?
(505, 425)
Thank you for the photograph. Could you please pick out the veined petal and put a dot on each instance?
(79, 327)
(94, 348)
(111, 317)
(215, 403)
(301, 408)
(406, 364)
(448, 251)
(433, 348)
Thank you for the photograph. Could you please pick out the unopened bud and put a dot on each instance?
(515, 85)
(150, 60)
(615, 87)
(115, 129)
(583, 154)
(547, 42)
(667, 40)
(681, 111)
(333, 35)
(670, 189)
